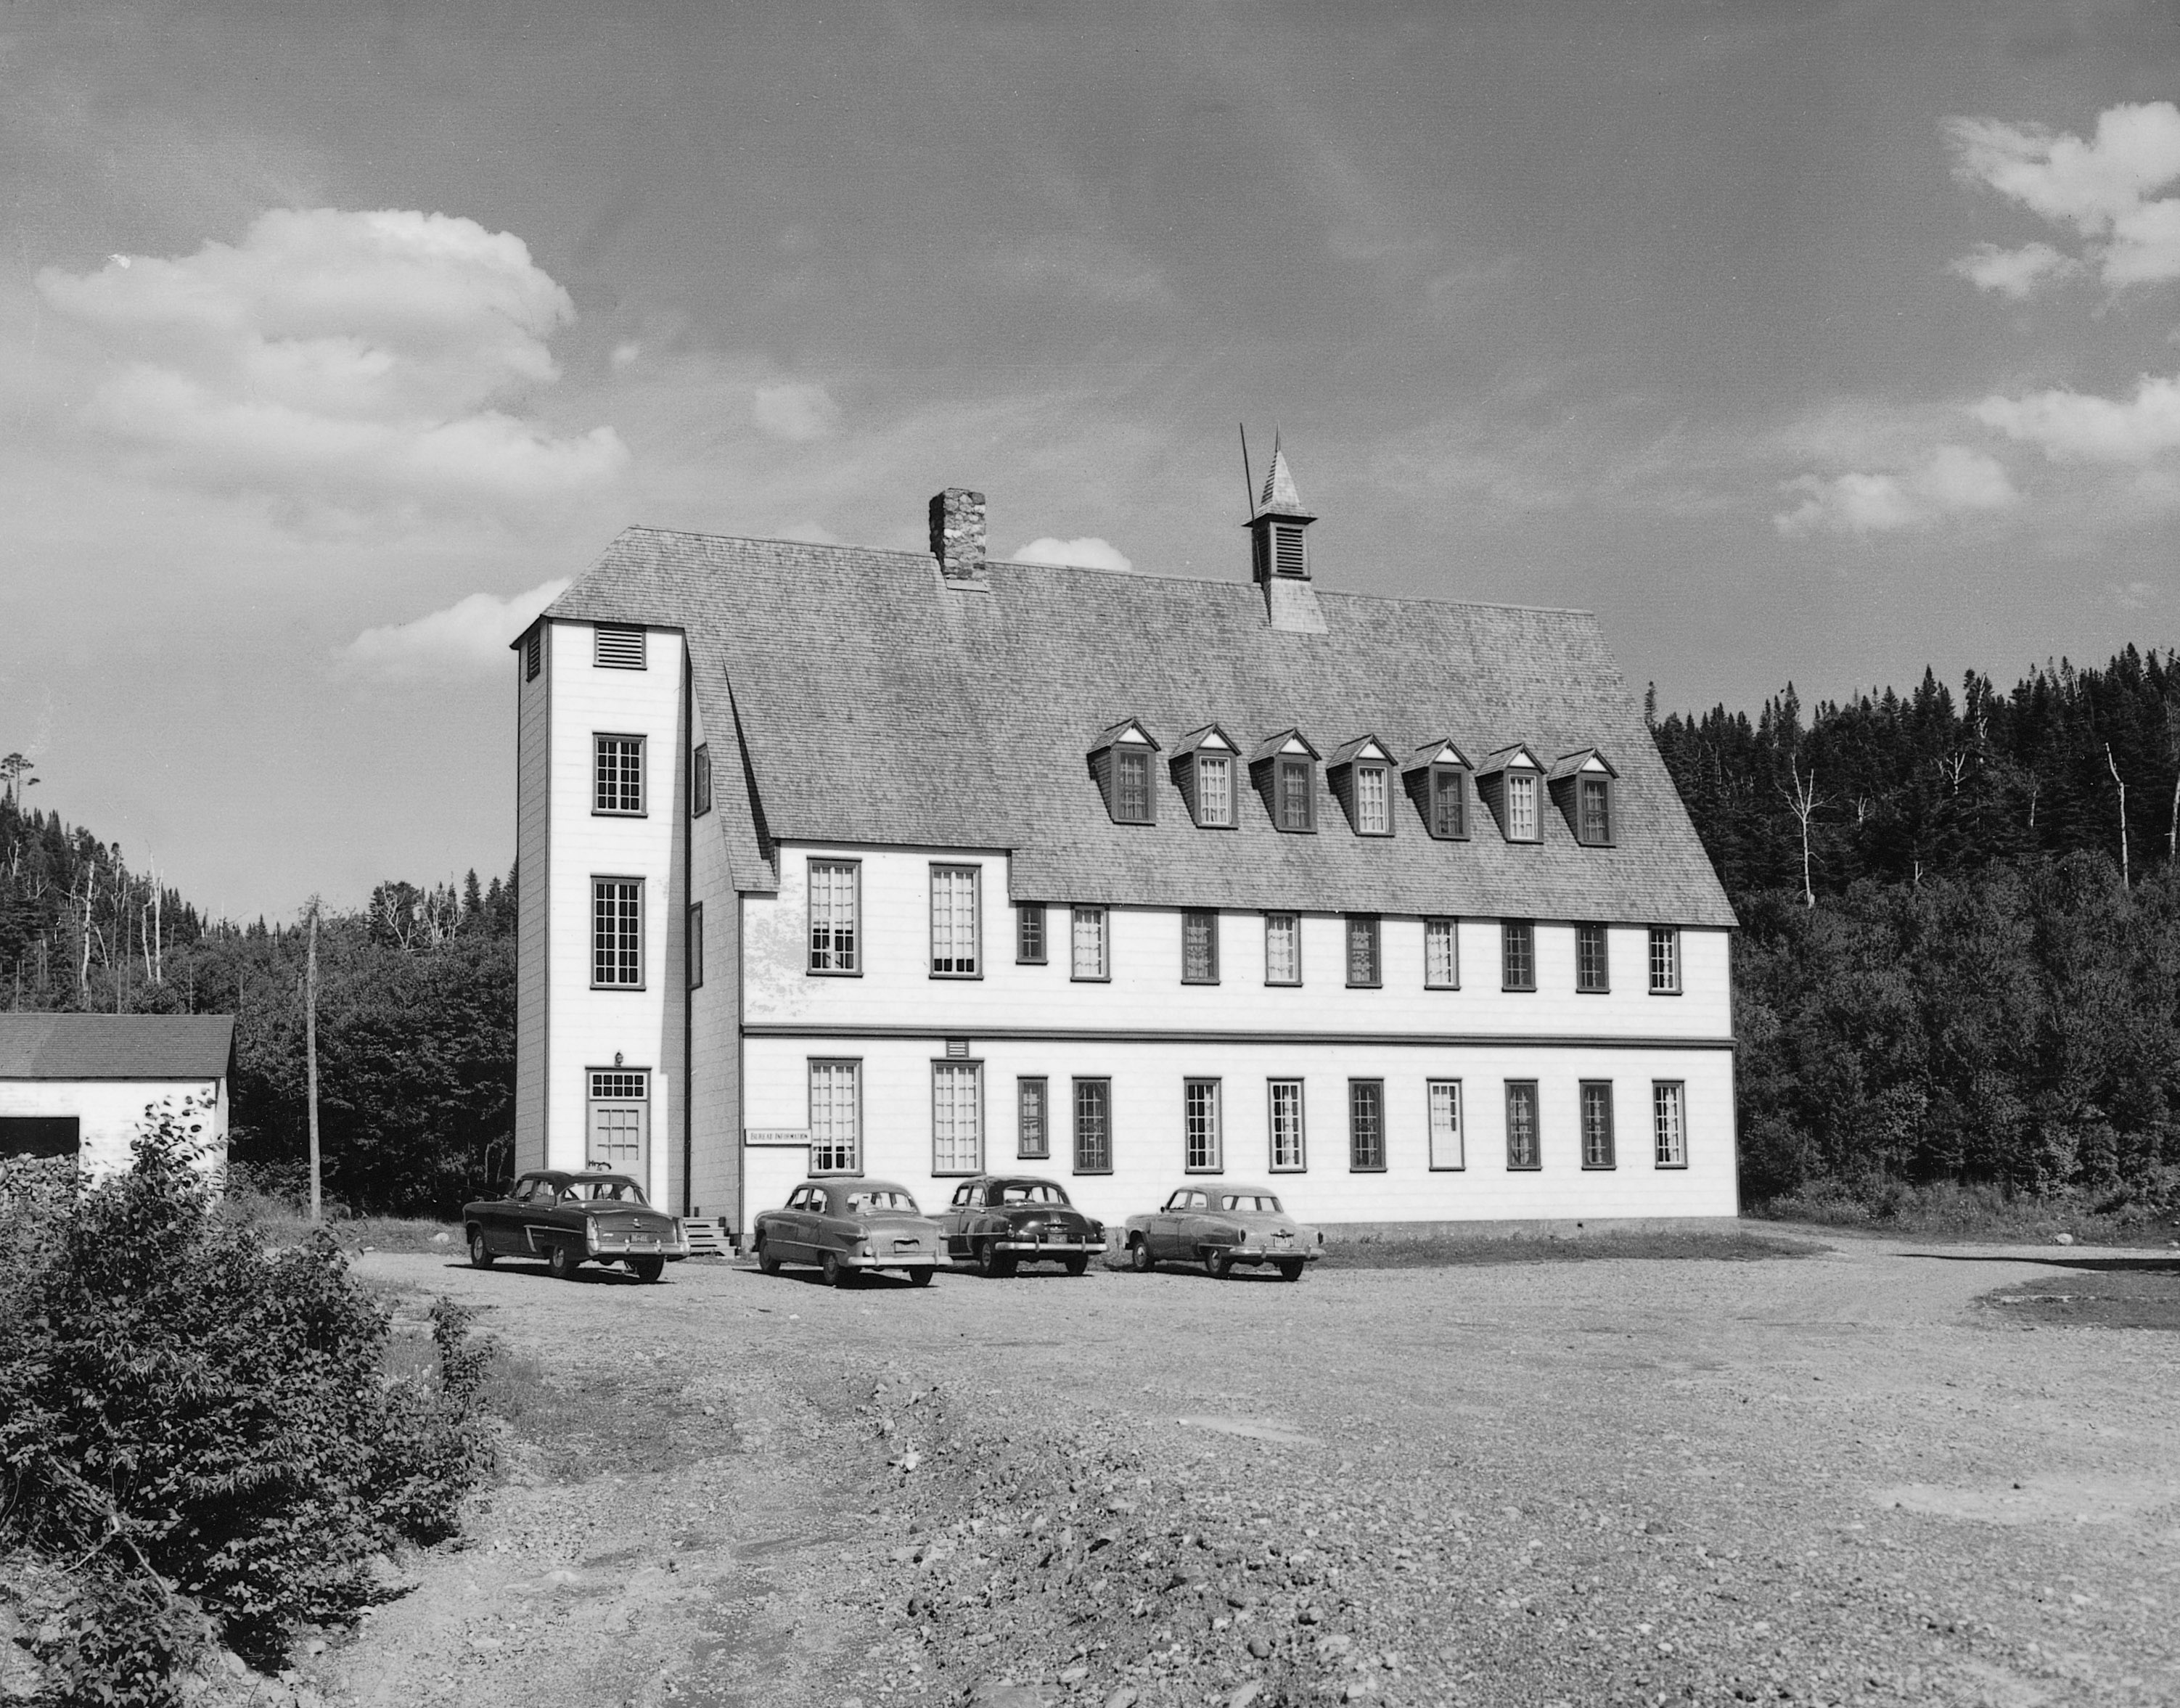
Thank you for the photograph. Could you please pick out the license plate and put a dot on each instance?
(907, 1245)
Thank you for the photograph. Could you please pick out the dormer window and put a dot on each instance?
(1120, 764)
(1582, 783)
(1437, 778)
(1284, 770)
(1202, 767)
(1361, 774)
(1508, 783)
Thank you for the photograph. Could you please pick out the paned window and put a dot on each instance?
(1029, 933)
(695, 946)
(1131, 785)
(1596, 1124)
(1517, 955)
(1449, 802)
(1523, 1149)
(533, 653)
(617, 933)
(836, 1117)
(1373, 812)
(620, 775)
(1446, 1146)
(616, 647)
(1669, 1122)
(1665, 961)
(1199, 947)
(1366, 1125)
(954, 949)
(1214, 789)
(1289, 1156)
(700, 780)
(1297, 794)
(1441, 955)
(957, 1117)
(1594, 815)
(1593, 969)
(1521, 806)
(620, 1086)
(1364, 966)
(1093, 1126)
(1092, 959)
(1202, 1148)
(1034, 1117)
(1282, 948)
(835, 924)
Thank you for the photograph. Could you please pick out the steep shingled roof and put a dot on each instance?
(874, 705)
(116, 1046)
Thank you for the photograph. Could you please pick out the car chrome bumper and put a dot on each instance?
(898, 1260)
(617, 1246)
(1274, 1253)
(1058, 1247)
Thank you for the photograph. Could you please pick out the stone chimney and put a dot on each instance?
(957, 537)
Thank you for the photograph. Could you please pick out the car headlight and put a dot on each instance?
(866, 1251)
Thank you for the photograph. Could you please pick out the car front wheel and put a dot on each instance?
(563, 1261)
(765, 1261)
(480, 1253)
(1139, 1257)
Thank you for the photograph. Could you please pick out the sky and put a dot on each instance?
(1802, 342)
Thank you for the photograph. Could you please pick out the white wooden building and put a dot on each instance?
(82, 1085)
(839, 859)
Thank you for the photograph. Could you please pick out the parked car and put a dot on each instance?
(1219, 1226)
(999, 1221)
(846, 1227)
(569, 1219)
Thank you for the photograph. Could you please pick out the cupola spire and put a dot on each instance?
(1279, 550)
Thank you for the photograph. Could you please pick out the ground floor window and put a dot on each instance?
(1289, 1156)
(1366, 1125)
(1093, 1126)
(1033, 1130)
(836, 1117)
(1668, 1102)
(1446, 1150)
(957, 1117)
(1596, 1124)
(1202, 1146)
(1522, 1149)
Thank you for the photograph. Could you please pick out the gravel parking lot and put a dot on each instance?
(1833, 1479)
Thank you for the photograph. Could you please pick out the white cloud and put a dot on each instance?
(1089, 552)
(471, 634)
(2135, 596)
(348, 359)
(2101, 187)
(625, 356)
(2016, 272)
(1953, 480)
(796, 412)
(2072, 427)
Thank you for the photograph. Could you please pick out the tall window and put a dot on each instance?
(1366, 1125)
(1034, 1117)
(1282, 948)
(1091, 957)
(1594, 816)
(1131, 785)
(695, 946)
(1214, 789)
(1521, 806)
(1199, 947)
(836, 1117)
(1448, 803)
(1093, 1126)
(1288, 1154)
(1364, 967)
(1592, 970)
(1029, 933)
(617, 933)
(1203, 1147)
(615, 646)
(1517, 955)
(1669, 1122)
(1441, 955)
(700, 780)
(954, 949)
(620, 775)
(957, 1117)
(1665, 961)
(835, 904)
(1297, 795)
(1373, 811)
(1522, 1150)
(1445, 1147)
(1596, 1124)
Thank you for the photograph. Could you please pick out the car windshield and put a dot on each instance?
(869, 1201)
(1261, 1203)
(1031, 1192)
(610, 1187)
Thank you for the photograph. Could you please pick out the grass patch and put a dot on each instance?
(1947, 1210)
(588, 1419)
(2093, 1298)
(281, 1223)
(1738, 1246)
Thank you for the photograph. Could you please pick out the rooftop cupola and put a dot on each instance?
(1280, 551)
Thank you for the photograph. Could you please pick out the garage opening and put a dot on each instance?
(40, 1136)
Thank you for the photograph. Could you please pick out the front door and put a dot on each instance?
(619, 1125)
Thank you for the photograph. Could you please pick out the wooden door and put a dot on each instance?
(619, 1124)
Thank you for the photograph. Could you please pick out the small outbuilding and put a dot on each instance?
(79, 1085)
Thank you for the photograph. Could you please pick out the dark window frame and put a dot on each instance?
(1028, 937)
(1283, 984)
(975, 1067)
(1511, 932)
(854, 969)
(1460, 1124)
(1359, 1092)
(700, 779)
(1452, 925)
(1198, 760)
(1208, 918)
(1189, 1085)
(1301, 1164)
(1129, 757)
(1101, 1085)
(1680, 1089)
(1043, 1152)
(642, 925)
(1441, 782)
(1583, 783)
(1671, 935)
(1530, 1092)
(1368, 929)
(1593, 958)
(1588, 1095)
(695, 946)
(1104, 975)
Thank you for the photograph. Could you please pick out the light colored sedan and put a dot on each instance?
(847, 1226)
(1221, 1226)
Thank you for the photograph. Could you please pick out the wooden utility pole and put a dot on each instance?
(311, 1048)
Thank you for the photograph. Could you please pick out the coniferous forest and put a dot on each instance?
(1959, 959)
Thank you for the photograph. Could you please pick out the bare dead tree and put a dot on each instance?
(1952, 767)
(1803, 802)
(311, 1048)
(2125, 882)
(2173, 746)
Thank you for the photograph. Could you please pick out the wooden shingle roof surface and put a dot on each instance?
(116, 1046)
(871, 704)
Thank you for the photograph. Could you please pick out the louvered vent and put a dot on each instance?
(1289, 552)
(533, 654)
(619, 648)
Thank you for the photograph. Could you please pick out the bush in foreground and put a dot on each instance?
(202, 1431)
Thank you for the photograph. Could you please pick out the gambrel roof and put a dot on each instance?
(849, 697)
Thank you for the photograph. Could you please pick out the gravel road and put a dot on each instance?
(1834, 1479)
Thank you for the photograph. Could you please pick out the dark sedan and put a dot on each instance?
(845, 1227)
(999, 1221)
(573, 1218)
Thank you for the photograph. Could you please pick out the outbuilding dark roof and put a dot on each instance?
(116, 1046)
(870, 704)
